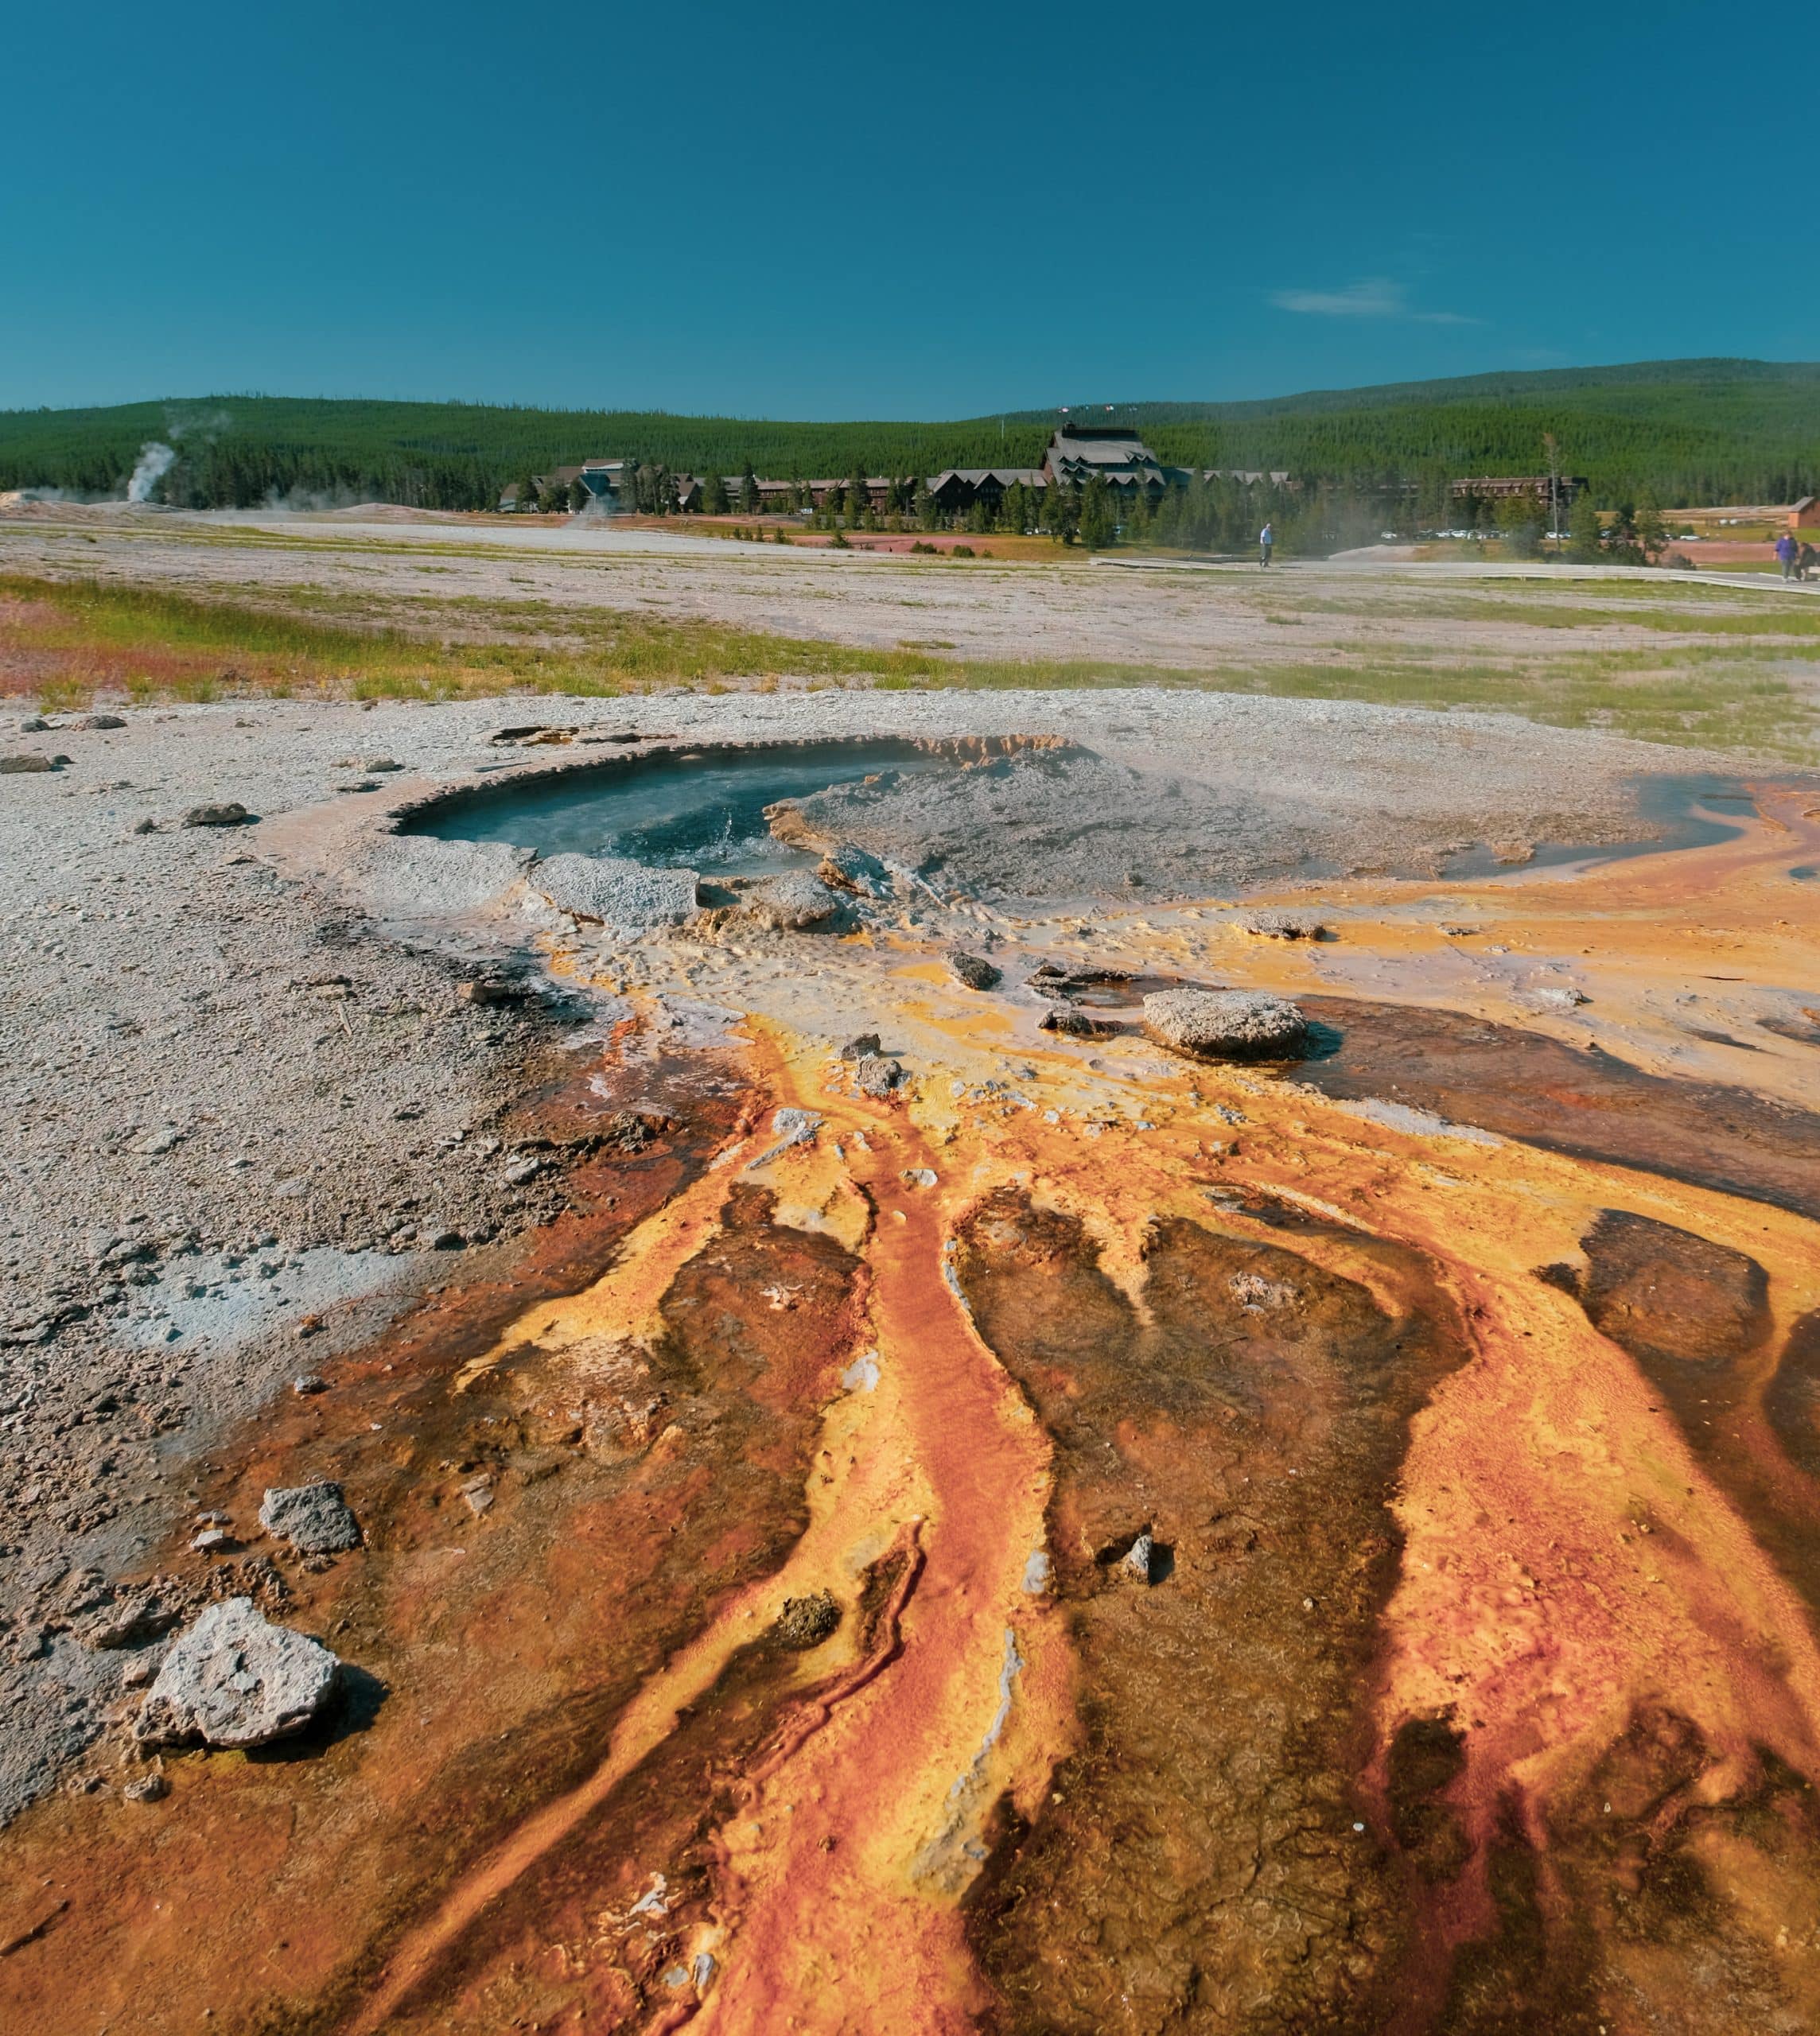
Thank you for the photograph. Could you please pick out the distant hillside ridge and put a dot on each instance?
(1688, 431)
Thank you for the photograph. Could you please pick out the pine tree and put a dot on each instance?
(1652, 533)
(1585, 532)
(749, 499)
(1098, 514)
(714, 501)
(1139, 521)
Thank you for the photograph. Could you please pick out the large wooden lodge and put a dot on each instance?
(1076, 453)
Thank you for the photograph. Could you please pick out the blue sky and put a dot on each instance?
(934, 210)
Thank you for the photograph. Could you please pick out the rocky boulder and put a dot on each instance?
(229, 813)
(315, 1519)
(235, 1680)
(972, 971)
(795, 903)
(1226, 1024)
(878, 1077)
(1284, 926)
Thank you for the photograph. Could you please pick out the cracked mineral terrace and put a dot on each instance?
(847, 1485)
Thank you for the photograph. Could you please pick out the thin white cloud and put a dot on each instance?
(1374, 297)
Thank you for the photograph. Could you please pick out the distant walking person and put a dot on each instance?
(1788, 551)
(1267, 538)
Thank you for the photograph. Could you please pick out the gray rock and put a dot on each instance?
(789, 1127)
(1073, 1023)
(617, 891)
(229, 813)
(848, 868)
(235, 1680)
(151, 1788)
(793, 902)
(25, 760)
(95, 721)
(1140, 1557)
(877, 1076)
(315, 1519)
(972, 971)
(1226, 1024)
(861, 1048)
(1284, 926)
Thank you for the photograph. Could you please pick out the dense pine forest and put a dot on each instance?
(1685, 432)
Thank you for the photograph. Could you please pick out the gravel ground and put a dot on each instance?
(231, 1108)
(243, 1093)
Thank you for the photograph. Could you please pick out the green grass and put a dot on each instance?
(1756, 616)
(63, 641)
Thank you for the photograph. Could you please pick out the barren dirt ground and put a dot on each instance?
(1005, 1527)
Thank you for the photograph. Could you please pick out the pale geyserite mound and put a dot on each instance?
(1226, 1024)
(619, 892)
(235, 1680)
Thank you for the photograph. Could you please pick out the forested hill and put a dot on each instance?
(1689, 431)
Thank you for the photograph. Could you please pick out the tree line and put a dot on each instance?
(1684, 432)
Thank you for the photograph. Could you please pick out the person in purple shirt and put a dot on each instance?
(1787, 550)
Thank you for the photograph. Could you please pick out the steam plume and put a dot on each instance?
(155, 461)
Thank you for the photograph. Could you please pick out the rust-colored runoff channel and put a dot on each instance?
(1146, 1547)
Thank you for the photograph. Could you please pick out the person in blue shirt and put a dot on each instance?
(1267, 538)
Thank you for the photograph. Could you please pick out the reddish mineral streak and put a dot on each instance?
(1474, 1689)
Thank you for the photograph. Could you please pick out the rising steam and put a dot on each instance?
(156, 460)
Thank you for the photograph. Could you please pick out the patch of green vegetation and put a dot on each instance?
(1755, 615)
(64, 641)
(91, 634)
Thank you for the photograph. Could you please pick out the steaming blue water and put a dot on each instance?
(697, 809)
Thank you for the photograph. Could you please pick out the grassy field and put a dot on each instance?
(66, 643)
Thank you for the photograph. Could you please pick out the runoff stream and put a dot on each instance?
(1076, 1539)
